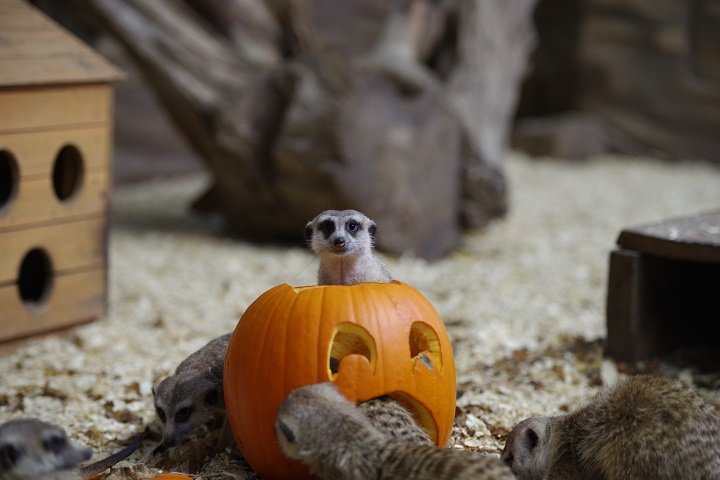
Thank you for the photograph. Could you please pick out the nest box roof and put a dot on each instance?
(35, 50)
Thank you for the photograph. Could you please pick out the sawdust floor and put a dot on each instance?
(523, 302)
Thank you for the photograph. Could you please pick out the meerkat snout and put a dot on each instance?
(344, 241)
(524, 450)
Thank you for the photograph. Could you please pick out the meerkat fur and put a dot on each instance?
(647, 427)
(322, 429)
(191, 400)
(344, 241)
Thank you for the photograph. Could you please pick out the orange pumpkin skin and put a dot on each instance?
(172, 476)
(385, 336)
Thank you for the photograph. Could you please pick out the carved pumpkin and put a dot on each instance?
(371, 339)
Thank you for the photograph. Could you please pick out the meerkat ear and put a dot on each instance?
(372, 229)
(216, 373)
(308, 232)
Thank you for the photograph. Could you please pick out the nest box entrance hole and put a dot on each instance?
(68, 173)
(9, 178)
(35, 277)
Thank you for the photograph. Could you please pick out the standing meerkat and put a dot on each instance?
(191, 399)
(322, 429)
(344, 240)
(647, 427)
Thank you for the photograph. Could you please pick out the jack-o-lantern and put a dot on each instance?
(370, 339)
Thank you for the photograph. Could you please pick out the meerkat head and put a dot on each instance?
(336, 232)
(189, 403)
(316, 418)
(526, 450)
(31, 449)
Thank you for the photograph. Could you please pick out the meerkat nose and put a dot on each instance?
(339, 242)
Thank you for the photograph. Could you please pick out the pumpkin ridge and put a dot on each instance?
(257, 417)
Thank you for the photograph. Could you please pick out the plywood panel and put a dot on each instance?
(73, 298)
(35, 152)
(36, 203)
(70, 246)
(38, 108)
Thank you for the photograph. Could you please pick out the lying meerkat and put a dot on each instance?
(647, 427)
(344, 240)
(322, 429)
(31, 449)
(191, 400)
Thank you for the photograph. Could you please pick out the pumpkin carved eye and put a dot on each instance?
(350, 339)
(425, 346)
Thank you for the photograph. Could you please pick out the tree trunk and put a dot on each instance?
(398, 109)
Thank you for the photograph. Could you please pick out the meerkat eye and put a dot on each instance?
(327, 227)
(286, 431)
(212, 397)
(55, 443)
(183, 415)
(160, 414)
(9, 456)
(532, 439)
(352, 226)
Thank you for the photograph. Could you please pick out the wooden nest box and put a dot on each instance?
(55, 146)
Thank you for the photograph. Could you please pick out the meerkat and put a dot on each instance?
(191, 400)
(647, 427)
(344, 240)
(322, 429)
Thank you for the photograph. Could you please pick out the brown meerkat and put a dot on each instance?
(647, 427)
(191, 400)
(344, 240)
(322, 429)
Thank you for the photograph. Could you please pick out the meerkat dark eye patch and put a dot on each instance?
(327, 227)
(286, 431)
(160, 414)
(9, 456)
(212, 397)
(183, 415)
(55, 443)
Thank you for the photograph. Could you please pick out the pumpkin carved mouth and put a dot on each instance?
(425, 353)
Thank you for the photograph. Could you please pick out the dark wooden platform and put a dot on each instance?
(664, 289)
